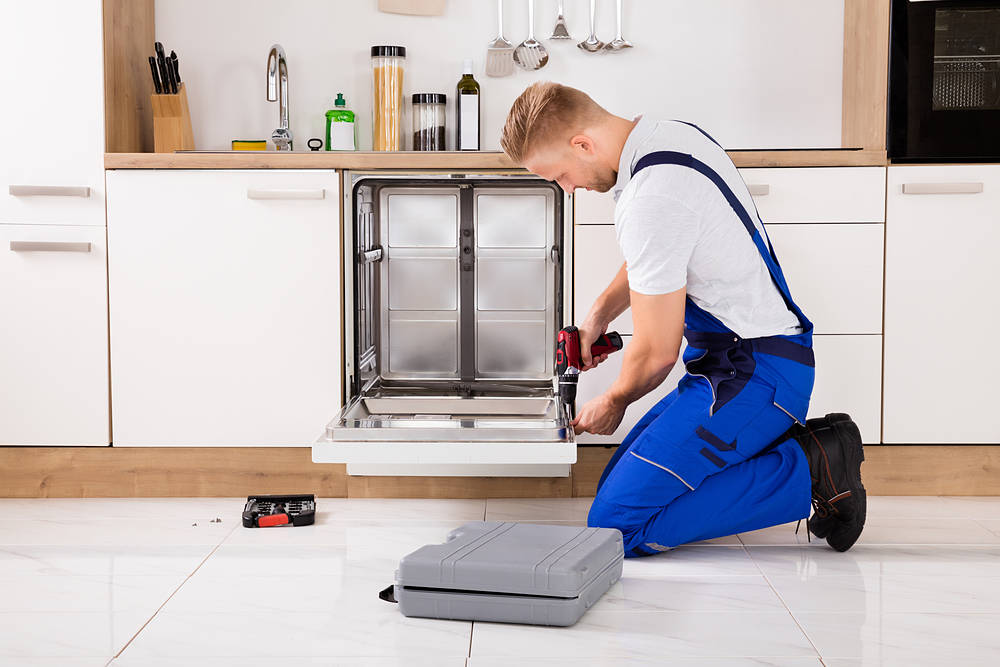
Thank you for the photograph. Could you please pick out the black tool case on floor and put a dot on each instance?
(510, 572)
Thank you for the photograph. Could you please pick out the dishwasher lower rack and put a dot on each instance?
(432, 425)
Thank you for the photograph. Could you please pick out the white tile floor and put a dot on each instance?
(156, 582)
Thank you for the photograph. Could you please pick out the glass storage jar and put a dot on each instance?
(428, 121)
(387, 97)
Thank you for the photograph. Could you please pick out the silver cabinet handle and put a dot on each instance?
(49, 246)
(49, 191)
(319, 193)
(942, 188)
(759, 189)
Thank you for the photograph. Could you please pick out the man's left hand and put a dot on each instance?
(601, 415)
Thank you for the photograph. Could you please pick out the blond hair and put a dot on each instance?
(541, 113)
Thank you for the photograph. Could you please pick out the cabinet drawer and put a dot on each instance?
(834, 273)
(849, 379)
(593, 208)
(818, 194)
(54, 341)
(597, 380)
(596, 260)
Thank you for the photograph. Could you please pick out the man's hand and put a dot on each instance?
(590, 331)
(601, 415)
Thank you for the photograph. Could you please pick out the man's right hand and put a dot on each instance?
(589, 333)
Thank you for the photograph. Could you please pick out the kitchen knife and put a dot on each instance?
(177, 67)
(156, 76)
(170, 77)
(158, 47)
(161, 65)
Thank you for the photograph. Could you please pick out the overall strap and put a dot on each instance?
(766, 252)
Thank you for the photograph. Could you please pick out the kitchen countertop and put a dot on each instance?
(445, 159)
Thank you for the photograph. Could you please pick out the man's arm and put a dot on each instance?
(612, 302)
(656, 340)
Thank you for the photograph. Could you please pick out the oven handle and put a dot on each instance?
(942, 188)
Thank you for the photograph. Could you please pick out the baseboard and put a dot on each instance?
(94, 472)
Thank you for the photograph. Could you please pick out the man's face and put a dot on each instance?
(572, 165)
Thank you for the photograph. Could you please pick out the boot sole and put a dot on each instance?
(842, 537)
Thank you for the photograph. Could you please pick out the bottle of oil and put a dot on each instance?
(467, 111)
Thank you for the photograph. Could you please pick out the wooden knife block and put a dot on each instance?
(172, 122)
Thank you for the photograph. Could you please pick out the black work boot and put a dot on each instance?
(832, 445)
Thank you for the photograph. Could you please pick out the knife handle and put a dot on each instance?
(172, 82)
(176, 64)
(156, 77)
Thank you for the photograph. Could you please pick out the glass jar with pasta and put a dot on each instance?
(387, 97)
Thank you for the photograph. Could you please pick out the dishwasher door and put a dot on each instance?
(407, 425)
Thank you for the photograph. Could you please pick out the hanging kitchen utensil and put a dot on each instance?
(592, 44)
(530, 54)
(500, 54)
(560, 31)
(619, 43)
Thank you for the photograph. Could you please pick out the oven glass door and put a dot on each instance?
(944, 80)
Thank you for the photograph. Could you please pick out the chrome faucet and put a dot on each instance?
(277, 90)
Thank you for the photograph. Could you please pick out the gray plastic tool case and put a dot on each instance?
(510, 572)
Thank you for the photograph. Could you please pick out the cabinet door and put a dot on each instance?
(54, 341)
(849, 379)
(53, 113)
(597, 380)
(225, 300)
(834, 273)
(596, 260)
(941, 305)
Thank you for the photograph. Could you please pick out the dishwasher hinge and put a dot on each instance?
(373, 255)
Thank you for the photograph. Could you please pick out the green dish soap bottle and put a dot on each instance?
(340, 130)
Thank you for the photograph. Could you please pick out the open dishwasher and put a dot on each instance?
(456, 286)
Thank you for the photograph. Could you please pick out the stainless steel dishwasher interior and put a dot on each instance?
(457, 293)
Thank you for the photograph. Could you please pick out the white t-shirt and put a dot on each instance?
(676, 229)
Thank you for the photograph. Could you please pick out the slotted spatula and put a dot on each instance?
(530, 54)
(500, 54)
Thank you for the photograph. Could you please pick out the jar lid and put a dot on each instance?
(399, 51)
(429, 98)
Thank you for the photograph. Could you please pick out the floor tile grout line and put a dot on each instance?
(781, 600)
(170, 597)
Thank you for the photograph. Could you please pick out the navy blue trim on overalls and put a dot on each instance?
(726, 360)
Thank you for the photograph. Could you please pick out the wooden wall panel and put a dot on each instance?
(866, 74)
(128, 42)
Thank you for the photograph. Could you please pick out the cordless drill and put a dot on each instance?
(569, 359)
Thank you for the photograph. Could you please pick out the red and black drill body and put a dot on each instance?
(569, 359)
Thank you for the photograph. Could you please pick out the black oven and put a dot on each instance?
(944, 81)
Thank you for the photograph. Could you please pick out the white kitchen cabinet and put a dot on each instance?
(941, 305)
(224, 306)
(849, 379)
(52, 161)
(835, 273)
(54, 341)
(818, 194)
(593, 208)
(597, 260)
(596, 381)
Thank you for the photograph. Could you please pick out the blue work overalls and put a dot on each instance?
(704, 461)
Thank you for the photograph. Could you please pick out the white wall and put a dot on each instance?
(754, 73)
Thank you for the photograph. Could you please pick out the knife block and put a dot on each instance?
(172, 122)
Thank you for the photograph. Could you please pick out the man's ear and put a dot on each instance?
(581, 143)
